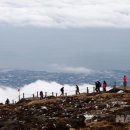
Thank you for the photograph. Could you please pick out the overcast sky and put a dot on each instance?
(65, 35)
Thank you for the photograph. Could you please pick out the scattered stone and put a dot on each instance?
(85, 112)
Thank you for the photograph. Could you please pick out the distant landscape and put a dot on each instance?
(19, 78)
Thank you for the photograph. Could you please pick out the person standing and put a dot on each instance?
(77, 90)
(104, 85)
(98, 85)
(7, 101)
(41, 95)
(124, 81)
(62, 91)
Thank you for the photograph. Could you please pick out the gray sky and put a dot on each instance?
(56, 49)
(65, 35)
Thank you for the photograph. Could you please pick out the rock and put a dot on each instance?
(63, 113)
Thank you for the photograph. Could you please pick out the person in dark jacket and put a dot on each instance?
(62, 91)
(7, 101)
(41, 95)
(77, 90)
(98, 85)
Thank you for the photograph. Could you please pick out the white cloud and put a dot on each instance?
(69, 69)
(78, 70)
(66, 13)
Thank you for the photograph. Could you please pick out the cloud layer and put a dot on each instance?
(66, 13)
(70, 69)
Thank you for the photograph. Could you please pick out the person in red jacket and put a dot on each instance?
(124, 81)
(104, 85)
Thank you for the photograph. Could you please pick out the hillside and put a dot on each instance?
(78, 112)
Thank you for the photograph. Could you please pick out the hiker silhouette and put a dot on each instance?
(77, 90)
(62, 91)
(98, 85)
(41, 95)
(7, 101)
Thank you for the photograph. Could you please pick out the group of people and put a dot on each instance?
(99, 85)
(62, 92)
(104, 84)
(77, 90)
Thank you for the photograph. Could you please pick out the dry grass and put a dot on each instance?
(104, 125)
(43, 101)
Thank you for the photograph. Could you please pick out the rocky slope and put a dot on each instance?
(79, 112)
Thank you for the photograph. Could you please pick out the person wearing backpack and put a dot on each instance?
(98, 85)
